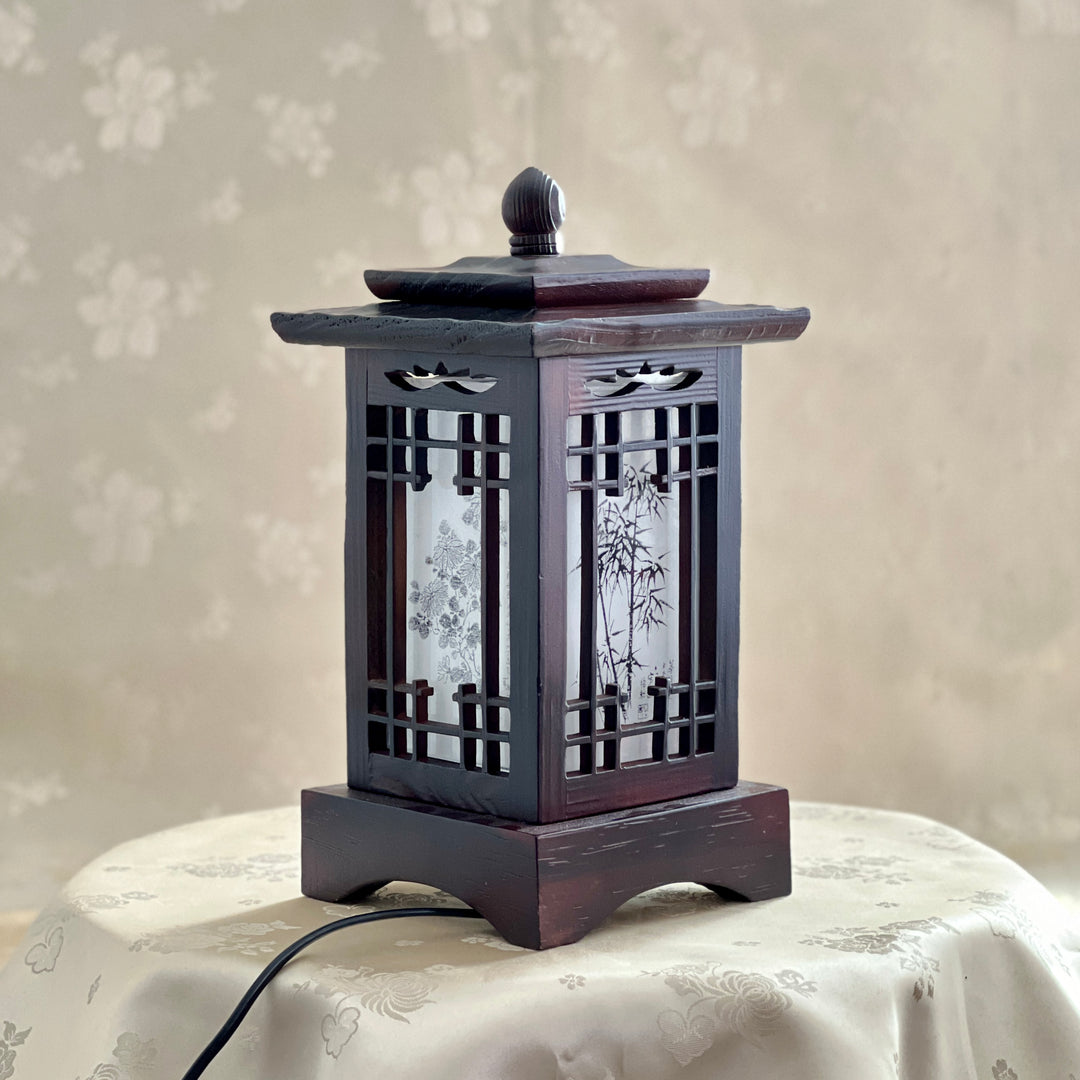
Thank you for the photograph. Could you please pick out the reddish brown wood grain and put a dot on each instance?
(546, 885)
(545, 826)
(540, 332)
(552, 281)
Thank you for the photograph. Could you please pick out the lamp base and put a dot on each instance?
(546, 885)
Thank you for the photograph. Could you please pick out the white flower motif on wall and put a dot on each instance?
(52, 164)
(454, 24)
(340, 266)
(359, 57)
(455, 201)
(16, 33)
(17, 29)
(43, 582)
(36, 791)
(296, 132)
(195, 86)
(128, 313)
(516, 90)
(224, 206)
(585, 32)
(717, 103)
(344, 271)
(1060, 17)
(216, 623)
(487, 152)
(47, 373)
(219, 415)
(309, 362)
(138, 96)
(15, 264)
(190, 291)
(285, 552)
(122, 515)
(328, 478)
(12, 450)
(388, 186)
(93, 262)
(183, 505)
(135, 103)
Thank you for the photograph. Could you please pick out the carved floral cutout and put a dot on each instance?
(626, 382)
(463, 381)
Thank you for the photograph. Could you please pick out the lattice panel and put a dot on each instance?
(642, 551)
(438, 587)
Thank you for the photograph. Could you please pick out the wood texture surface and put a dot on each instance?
(583, 818)
(546, 885)
(539, 282)
(533, 208)
(584, 370)
(542, 785)
(545, 332)
(376, 614)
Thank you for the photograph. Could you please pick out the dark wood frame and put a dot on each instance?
(544, 857)
(514, 395)
(547, 885)
(538, 398)
(717, 768)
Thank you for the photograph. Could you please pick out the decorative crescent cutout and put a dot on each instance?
(626, 382)
(463, 381)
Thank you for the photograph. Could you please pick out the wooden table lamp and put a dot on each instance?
(542, 587)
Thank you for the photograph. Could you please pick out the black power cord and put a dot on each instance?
(228, 1029)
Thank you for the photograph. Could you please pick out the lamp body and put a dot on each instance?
(542, 594)
(542, 587)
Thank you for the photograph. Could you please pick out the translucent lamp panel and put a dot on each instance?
(623, 556)
(457, 563)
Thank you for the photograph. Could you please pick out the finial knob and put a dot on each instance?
(533, 209)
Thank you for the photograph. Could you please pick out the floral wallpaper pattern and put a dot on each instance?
(171, 475)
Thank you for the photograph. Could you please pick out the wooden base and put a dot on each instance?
(546, 885)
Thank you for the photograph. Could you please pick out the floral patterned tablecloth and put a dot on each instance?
(906, 950)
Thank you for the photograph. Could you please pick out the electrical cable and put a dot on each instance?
(228, 1029)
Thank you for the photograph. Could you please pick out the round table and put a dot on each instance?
(906, 950)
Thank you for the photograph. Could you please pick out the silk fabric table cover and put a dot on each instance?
(906, 950)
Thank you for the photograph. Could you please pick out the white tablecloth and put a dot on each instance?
(907, 950)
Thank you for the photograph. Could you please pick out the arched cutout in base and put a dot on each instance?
(726, 893)
(362, 892)
(502, 912)
(545, 885)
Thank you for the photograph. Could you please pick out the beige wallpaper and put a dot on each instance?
(171, 476)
